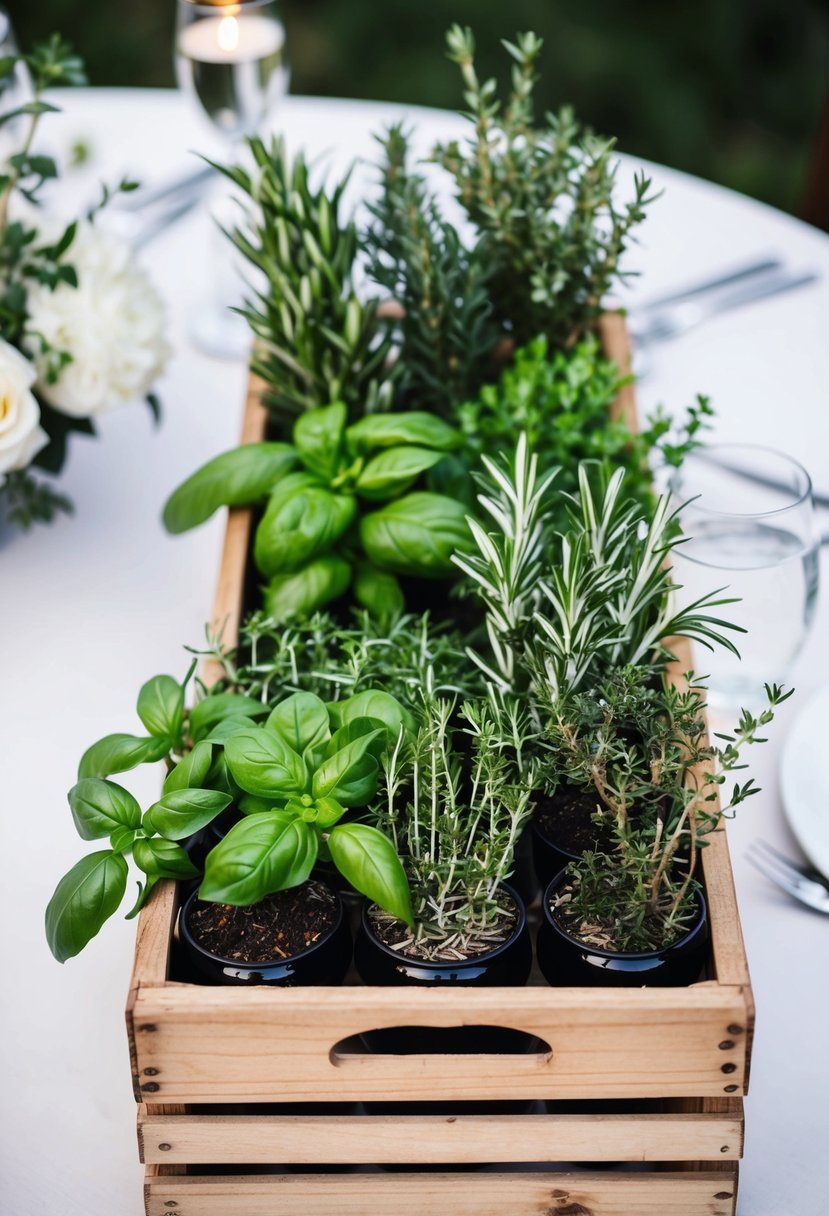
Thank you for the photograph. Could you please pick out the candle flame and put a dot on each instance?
(228, 33)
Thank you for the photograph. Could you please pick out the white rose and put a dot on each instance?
(112, 324)
(21, 435)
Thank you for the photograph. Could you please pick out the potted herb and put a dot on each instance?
(631, 910)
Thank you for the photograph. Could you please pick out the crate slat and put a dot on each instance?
(461, 1194)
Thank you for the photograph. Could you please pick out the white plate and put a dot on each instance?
(803, 779)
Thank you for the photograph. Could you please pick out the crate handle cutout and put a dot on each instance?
(522, 1050)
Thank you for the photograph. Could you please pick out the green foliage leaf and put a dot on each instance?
(297, 526)
(161, 706)
(388, 430)
(318, 436)
(235, 479)
(379, 592)
(117, 753)
(367, 859)
(302, 721)
(163, 859)
(83, 900)
(100, 808)
(192, 770)
(180, 813)
(375, 705)
(349, 774)
(297, 595)
(263, 763)
(216, 706)
(395, 470)
(260, 855)
(416, 535)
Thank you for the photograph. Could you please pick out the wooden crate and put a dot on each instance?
(649, 1080)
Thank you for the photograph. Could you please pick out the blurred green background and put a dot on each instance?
(731, 90)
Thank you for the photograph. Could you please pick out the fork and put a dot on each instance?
(801, 882)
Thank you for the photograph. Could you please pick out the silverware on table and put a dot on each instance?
(801, 882)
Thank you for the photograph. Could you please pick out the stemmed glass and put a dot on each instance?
(230, 58)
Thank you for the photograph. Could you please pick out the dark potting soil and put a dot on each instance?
(564, 818)
(278, 927)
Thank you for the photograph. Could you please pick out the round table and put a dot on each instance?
(97, 603)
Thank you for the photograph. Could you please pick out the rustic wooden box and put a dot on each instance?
(651, 1081)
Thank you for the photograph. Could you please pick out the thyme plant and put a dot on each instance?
(541, 197)
(643, 751)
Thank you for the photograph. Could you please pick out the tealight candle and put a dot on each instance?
(232, 39)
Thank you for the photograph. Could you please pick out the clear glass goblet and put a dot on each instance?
(230, 59)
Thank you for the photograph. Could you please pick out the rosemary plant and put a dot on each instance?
(459, 828)
(644, 753)
(541, 198)
(317, 340)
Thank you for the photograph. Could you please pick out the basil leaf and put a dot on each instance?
(318, 436)
(122, 839)
(144, 892)
(99, 808)
(376, 705)
(388, 430)
(161, 706)
(295, 595)
(117, 753)
(297, 527)
(329, 812)
(349, 774)
(191, 771)
(234, 479)
(262, 763)
(368, 860)
(395, 470)
(249, 804)
(379, 592)
(228, 727)
(260, 855)
(163, 859)
(302, 721)
(210, 710)
(83, 900)
(416, 535)
(180, 813)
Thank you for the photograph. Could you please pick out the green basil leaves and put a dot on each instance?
(234, 479)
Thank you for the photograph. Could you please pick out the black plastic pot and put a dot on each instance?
(326, 962)
(551, 852)
(565, 961)
(508, 964)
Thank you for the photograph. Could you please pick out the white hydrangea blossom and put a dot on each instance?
(112, 325)
(21, 435)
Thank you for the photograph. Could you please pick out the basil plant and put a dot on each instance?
(341, 511)
(294, 778)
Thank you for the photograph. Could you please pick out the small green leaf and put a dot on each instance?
(117, 753)
(191, 771)
(298, 595)
(161, 706)
(214, 707)
(163, 859)
(262, 763)
(122, 839)
(349, 774)
(302, 721)
(379, 592)
(389, 430)
(394, 471)
(83, 900)
(144, 891)
(367, 859)
(416, 535)
(318, 436)
(296, 527)
(249, 804)
(235, 479)
(329, 812)
(101, 807)
(228, 727)
(260, 855)
(180, 813)
(376, 705)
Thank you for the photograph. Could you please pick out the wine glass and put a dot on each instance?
(231, 59)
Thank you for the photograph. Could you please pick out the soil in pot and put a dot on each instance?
(562, 830)
(298, 936)
(566, 960)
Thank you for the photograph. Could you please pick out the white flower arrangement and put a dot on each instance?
(81, 325)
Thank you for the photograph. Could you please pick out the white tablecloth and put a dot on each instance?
(95, 604)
